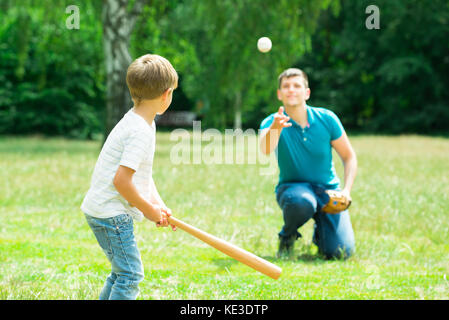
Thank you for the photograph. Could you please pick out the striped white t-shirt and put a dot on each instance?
(131, 144)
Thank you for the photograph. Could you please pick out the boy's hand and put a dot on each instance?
(165, 213)
(280, 120)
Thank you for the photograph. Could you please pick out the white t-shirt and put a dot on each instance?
(131, 144)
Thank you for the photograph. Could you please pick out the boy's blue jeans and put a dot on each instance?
(300, 202)
(116, 237)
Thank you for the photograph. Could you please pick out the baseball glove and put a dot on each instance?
(337, 202)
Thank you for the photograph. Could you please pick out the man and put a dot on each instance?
(303, 138)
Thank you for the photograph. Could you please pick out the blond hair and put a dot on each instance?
(293, 72)
(149, 76)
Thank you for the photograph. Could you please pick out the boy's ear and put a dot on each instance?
(278, 93)
(167, 93)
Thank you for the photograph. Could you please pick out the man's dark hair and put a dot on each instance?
(293, 72)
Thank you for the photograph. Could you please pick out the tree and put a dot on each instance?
(52, 79)
(226, 74)
(119, 17)
(390, 79)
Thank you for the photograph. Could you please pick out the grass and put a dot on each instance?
(399, 215)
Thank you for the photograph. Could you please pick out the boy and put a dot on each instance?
(122, 188)
(303, 137)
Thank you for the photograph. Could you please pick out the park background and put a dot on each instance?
(62, 90)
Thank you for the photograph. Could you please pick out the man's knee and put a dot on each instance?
(334, 235)
(342, 249)
(299, 203)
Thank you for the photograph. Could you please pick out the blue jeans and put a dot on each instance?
(300, 202)
(116, 237)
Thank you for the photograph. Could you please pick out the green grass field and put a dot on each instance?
(400, 217)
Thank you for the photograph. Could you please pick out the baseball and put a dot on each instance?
(264, 44)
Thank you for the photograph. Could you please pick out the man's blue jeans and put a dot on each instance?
(116, 237)
(300, 202)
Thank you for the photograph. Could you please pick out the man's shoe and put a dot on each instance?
(286, 246)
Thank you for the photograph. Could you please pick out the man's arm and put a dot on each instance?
(349, 159)
(124, 185)
(269, 137)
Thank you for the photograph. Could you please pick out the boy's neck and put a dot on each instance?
(146, 111)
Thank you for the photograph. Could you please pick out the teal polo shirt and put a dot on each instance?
(305, 154)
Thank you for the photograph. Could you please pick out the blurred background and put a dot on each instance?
(62, 63)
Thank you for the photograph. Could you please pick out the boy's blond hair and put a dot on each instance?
(293, 72)
(149, 76)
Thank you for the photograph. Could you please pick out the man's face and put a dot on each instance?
(293, 91)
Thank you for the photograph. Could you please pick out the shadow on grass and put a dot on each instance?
(224, 264)
(310, 257)
(301, 258)
(306, 253)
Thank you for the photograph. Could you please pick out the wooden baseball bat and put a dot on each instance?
(229, 249)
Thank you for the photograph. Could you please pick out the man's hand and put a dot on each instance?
(280, 120)
(347, 194)
(338, 201)
(270, 136)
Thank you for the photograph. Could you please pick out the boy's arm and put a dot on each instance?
(154, 195)
(156, 198)
(270, 136)
(123, 184)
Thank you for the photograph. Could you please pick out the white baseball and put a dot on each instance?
(264, 44)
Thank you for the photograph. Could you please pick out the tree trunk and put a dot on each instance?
(118, 23)
(238, 111)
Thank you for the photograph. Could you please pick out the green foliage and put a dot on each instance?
(150, 36)
(223, 71)
(389, 80)
(52, 77)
